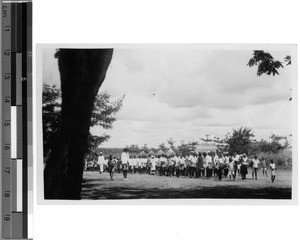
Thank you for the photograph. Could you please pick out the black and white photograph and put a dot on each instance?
(167, 121)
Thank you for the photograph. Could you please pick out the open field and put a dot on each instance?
(144, 186)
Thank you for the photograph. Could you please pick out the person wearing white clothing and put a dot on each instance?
(273, 168)
(130, 165)
(125, 160)
(226, 161)
(153, 165)
(255, 163)
(231, 167)
(220, 164)
(100, 162)
(209, 165)
(134, 163)
(215, 160)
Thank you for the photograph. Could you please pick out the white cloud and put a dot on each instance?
(185, 93)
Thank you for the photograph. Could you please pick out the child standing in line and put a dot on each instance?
(231, 167)
(255, 163)
(124, 160)
(111, 167)
(273, 168)
(264, 166)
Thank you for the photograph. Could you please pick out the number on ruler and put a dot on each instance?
(6, 147)
(7, 218)
(7, 52)
(7, 194)
(4, 11)
(7, 170)
(7, 123)
(6, 28)
(7, 100)
(6, 76)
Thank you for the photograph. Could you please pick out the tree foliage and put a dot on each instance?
(185, 148)
(162, 147)
(134, 149)
(171, 143)
(288, 60)
(275, 144)
(103, 115)
(240, 139)
(265, 63)
(51, 114)
(145, 148)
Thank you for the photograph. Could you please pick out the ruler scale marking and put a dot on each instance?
(16, 63)
(6, 152)
(16, 95)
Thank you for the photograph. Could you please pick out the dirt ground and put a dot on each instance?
(144, 186)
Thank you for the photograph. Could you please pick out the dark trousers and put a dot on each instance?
(170, 171)
(187, 170)
(220, 170)
(125, 173)
(177, 171)
(200, 172)
(208, 172)
(111, 173)
(192, 172)
(244, 171)
(254, 173)
(226, 172)
(216, 171)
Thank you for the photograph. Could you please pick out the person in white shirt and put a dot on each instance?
(124, 160)
(237, 164)
(231, 168)
(220, 166)
(130, 165)
(105, 169)
(226, 161)
(209, 164)
(215, 160)
(100, 162)
(255, 163)
(244, 166)
(263, 164)
(177, 165)
(163, 165)
(135, 165)
(273, 168)
(139, 164)
(192, 165)
(153, 165)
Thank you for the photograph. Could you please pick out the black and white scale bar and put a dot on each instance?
(16, 70)
(6, 217)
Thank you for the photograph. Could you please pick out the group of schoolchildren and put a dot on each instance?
(193, 165)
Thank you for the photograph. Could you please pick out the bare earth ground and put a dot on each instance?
(144, 186)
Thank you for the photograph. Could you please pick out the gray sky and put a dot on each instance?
(186, 93)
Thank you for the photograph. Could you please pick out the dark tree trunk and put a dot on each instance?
(82, 72)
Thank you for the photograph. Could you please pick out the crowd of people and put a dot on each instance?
(193, 165)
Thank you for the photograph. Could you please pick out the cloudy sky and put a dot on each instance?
(186, 93)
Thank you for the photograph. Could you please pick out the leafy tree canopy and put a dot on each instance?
(162, 147)
(103, 115)
(240, 140)
(265, 63)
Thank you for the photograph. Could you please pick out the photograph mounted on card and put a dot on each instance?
(167, 123)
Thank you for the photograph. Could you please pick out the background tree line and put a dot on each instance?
(239, 141)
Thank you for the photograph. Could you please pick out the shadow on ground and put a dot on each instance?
(93, 191)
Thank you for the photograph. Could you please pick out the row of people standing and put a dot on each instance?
(193, 165)
(196, 165)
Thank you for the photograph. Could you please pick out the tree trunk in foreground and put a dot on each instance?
(82, 72)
